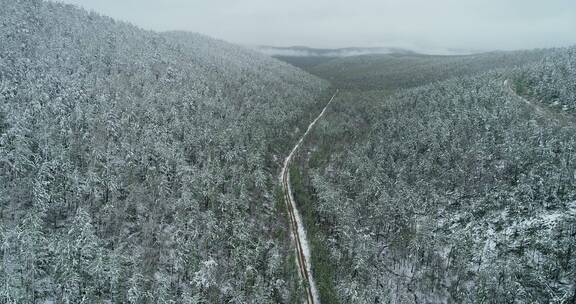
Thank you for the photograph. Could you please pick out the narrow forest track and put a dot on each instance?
(540, 108)
(296, 226)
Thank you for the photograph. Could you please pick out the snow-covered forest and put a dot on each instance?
(454, 192)
(138, 167)
(143, 167)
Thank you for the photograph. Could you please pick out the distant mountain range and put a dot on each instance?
(303, 51)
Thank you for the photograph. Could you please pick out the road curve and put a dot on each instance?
(296, 226)
(511, 91)
(542, 110)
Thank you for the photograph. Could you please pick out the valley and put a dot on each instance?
(420, 192)
(142, 166)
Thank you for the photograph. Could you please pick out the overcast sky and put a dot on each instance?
(461, 24)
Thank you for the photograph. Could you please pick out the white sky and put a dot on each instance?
(461, 24)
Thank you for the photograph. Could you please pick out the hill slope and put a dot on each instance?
(138, 167)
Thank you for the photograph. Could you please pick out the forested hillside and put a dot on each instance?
(142, 167)
(138, 167)
(454, 192)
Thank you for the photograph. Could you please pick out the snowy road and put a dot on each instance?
(296, 226)
(542, 110)
(511, 91)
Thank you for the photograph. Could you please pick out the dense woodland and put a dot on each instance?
(138, 167)
(142, 167)
(454, 192)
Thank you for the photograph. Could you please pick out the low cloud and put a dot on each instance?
(424, 24)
